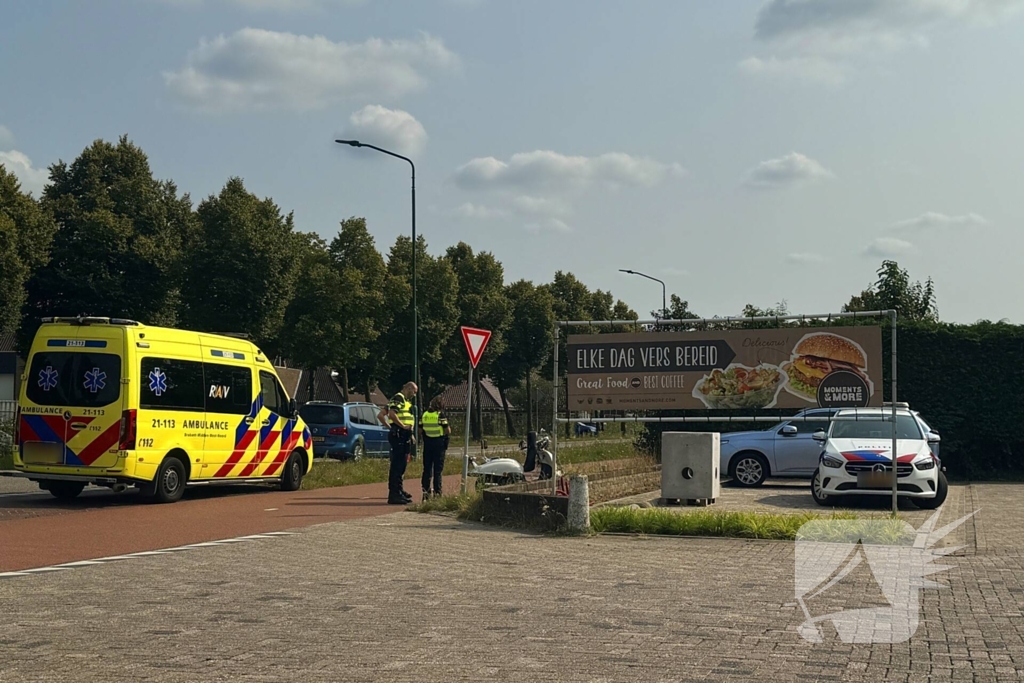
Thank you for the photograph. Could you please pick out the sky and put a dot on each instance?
(749, 151)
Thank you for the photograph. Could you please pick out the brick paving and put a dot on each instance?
(406, 597)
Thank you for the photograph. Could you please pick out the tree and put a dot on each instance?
(894, 291)
(328, 320)
(527, 342)
(118, 246)
(481, 303)
(751, 311)
(438, 313)
(26, 233)
(242, 271)
(353, 252)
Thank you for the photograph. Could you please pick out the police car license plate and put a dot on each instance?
(318, 439)
(874, 480)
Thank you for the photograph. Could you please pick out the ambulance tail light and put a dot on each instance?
(17, 426)
(128, 421)
(338, 431)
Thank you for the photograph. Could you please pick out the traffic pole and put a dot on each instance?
(465, 448)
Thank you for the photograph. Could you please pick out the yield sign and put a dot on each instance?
(476, 341)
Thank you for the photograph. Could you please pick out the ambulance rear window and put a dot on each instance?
(74, 379)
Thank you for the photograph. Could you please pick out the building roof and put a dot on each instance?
(454, 397)
(325, 387)
(7, 342)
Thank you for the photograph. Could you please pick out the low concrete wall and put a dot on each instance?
(533, 505)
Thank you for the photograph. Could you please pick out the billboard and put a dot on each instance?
(726, 370)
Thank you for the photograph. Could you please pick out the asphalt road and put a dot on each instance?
(36, 530)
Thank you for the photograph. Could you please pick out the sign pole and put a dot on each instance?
(465, 449)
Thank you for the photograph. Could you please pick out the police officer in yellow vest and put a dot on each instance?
(435, 430)
(401, 423)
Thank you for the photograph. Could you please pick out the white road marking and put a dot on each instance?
(145, 553)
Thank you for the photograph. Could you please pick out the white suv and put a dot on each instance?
(857, 458)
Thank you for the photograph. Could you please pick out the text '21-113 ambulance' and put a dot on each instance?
(116, 403)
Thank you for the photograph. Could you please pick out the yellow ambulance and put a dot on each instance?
(112, 402)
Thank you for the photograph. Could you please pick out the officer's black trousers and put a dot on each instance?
(399, 461)
(433, 461)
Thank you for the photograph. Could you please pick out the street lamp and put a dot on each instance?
(664, 308)
(415, 300)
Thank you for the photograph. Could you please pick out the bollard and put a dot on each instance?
(579, 503)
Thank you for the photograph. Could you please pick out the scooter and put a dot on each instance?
(502, 471)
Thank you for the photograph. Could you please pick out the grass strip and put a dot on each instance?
(840, 527)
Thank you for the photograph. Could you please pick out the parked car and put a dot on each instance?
(345, 430)
(785, 450)
(857, 459)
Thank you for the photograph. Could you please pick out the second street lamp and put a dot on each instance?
(664, 309)
(415, 300)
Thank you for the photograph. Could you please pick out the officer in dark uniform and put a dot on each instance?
(435, 431)
(401, 423)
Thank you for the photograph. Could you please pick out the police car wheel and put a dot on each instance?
(818, 490)
(291, 479)
(169, 485)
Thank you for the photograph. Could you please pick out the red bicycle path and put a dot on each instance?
(37, 530)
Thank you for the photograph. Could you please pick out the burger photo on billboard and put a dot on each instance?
(816, 356)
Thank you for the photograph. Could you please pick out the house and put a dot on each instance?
(454, 398)
(10, 368)
(325, 387)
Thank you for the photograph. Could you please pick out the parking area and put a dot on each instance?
(408, 597)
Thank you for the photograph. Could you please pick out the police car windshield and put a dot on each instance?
(872, 428)
(74, 379)
(322, 415)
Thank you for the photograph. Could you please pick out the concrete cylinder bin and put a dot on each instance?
(689, 467)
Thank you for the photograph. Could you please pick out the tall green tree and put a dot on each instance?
(117, 250)
(26, 232)
(242, 270)
(438, 313)
(528, 340)
(893, 290)
(354, 254)
(481, 303)
(328, 319)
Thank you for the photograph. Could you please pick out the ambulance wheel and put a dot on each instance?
(291, 479)
(169, 485)
(65, 490)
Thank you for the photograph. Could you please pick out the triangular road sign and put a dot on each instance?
(476, 341)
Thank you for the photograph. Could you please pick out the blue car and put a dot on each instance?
(345, 430)
(786, 450)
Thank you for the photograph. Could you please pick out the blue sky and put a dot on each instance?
(743, 151)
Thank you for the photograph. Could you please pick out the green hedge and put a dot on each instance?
(966, 380)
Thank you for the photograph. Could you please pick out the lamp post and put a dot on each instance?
(415, 300)
(664, 308)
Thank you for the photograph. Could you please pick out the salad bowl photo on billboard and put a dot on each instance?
(829, 369)
(740, 386)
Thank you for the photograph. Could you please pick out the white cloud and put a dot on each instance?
(254, 68)
(805, 258)
(822, 40)
(786, 171)
(6, 136)
(394, 129)
(885, 247)
(472, 211)
(932, 220)
(530, 205)
(803, 69)
(32, 179)
(547, 225)
(545, 170)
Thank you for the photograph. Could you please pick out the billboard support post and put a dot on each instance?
(729, 320)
